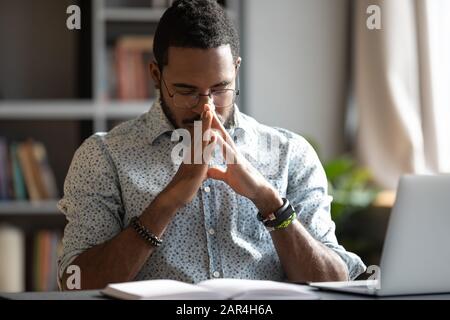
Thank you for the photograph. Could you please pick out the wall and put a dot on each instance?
(38, 52)
(295, 61)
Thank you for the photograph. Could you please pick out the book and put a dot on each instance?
(12, 259)
(37, 262)
(214, 289)
(52, 283)
(32, 171)
(132, 57)
(44, 265)
(48, 177)
(37, 170)
(3, 169)
(20, 191)
(28, 166)
(10, 175)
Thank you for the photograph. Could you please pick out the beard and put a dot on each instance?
(167, 111)
(226, 121)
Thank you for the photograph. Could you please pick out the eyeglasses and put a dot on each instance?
(222, 98)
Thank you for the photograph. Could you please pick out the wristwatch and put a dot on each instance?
(277, 218)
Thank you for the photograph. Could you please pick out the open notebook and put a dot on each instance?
(216, 289)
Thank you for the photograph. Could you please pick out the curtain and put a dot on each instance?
(401, 78)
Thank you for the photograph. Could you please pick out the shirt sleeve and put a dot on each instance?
(308, 193)
(91, 203)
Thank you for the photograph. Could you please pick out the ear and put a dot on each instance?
(238, 63)
(155, 74)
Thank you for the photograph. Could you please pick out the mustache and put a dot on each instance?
(192, 120)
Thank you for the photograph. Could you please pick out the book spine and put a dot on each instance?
(131, 68)
(121, 73)
(12, 259)
(3, 170)
(18, 179)
(10, 174)
(36, 169)
(45, 268)
(46, 173)
(37, 256)
(141, 78)
(26, 166)
(55, 239)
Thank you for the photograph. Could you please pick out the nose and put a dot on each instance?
(204, 99)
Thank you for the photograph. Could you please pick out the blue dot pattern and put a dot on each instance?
(114, 176)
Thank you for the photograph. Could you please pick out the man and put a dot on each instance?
(135, 213)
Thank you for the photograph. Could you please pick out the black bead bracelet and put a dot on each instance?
(145, 233)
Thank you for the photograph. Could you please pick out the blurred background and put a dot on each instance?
(366, 82)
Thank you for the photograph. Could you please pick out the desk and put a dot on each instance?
(96, 295)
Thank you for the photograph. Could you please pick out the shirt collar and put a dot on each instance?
(241, 128)
(239, 122)
(157, 121)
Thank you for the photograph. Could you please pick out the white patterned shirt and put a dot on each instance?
(114, 176)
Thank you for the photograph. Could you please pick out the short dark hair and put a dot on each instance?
(194, 24)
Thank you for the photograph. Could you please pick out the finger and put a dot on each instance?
(209, 149)
(206, 125)
(216, 124)
(197, 140)
(228, 152)
(216, 173)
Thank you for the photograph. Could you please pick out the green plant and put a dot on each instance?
(350, 185)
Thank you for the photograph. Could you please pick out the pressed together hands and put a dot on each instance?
(239, 174)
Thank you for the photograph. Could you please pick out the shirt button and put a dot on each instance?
(216, 274)
(207, 189)
(211, 231)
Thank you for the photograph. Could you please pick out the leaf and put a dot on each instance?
(338, 167)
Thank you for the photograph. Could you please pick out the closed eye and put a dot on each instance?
(187, 93)
(219, 92)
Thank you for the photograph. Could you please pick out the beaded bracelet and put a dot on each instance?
(145, 233)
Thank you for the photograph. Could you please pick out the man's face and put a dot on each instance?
(200, 71)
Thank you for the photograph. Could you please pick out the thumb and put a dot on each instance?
(216, 173)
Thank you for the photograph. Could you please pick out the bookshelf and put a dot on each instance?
(98, 112)
(26, 208)
(69, 98)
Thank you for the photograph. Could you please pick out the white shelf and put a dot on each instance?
(131, 14)
(72, 110)
(138, 14)
(29, 208)
(122, 110)
(46, 110)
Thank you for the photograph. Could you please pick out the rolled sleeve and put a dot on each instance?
(91, 203)
(307, 190)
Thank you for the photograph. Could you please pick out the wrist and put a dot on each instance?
(158, 214)
(170, 199)
(268, 201)
(280, 218)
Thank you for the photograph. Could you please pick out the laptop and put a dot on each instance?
(416, 250)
